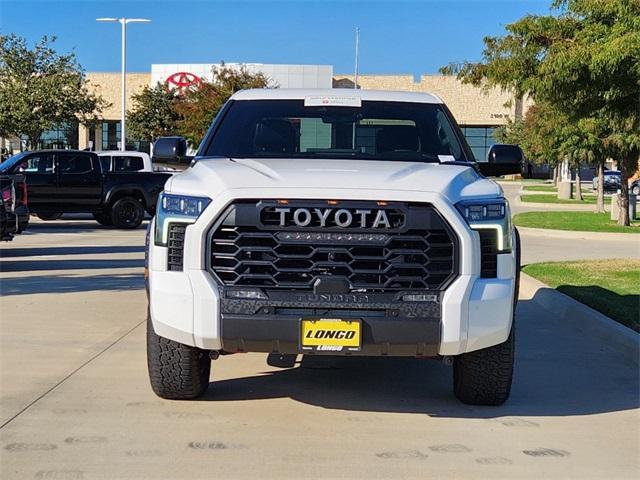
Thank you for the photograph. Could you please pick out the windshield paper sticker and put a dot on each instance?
(446, 158)
(332, 101)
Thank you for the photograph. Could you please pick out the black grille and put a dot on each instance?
(249, 249)
(175, 246)
(488, 253)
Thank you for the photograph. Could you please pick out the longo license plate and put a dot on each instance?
(330, 335)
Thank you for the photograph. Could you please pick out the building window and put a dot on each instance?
(111, 138)
(480, 139)
(62, 137)
(110, 134)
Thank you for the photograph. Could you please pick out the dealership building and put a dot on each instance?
(477, 111)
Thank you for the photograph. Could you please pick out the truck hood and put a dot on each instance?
(213, 175)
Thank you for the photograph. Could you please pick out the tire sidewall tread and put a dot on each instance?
(176, 371)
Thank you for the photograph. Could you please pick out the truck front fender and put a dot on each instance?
(128, 190)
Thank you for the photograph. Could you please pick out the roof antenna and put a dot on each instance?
(355, 77)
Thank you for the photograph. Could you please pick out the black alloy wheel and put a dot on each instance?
(127, 213)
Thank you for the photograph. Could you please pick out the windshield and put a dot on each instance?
(374, 131)
(10, 162)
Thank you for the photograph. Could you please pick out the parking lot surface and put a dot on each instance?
(75, 401)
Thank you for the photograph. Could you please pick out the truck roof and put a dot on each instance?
(301, 93)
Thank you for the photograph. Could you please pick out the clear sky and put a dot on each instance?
(410, 37)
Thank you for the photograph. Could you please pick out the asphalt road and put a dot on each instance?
(542, 246)
(75, 402)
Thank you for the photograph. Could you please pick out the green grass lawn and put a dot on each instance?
(540, 188)
(580, 221)
(553, 198)
(610, 286)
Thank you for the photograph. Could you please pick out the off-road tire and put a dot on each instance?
(49, 216)
(636, 190)
(484, 377)
(127, 213)
(103, 219)
(176, 371)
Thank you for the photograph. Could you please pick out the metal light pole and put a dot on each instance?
(124, 21)
(355, 79)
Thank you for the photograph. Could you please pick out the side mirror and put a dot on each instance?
(170, 150)
(502, 160)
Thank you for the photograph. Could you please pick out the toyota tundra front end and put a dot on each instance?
(333, 223)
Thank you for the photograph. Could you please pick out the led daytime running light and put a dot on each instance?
(491, 214)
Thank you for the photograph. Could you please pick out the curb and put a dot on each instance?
(579, 234)
(570, 207)
(582, 318)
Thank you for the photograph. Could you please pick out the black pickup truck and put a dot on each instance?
(70, 181)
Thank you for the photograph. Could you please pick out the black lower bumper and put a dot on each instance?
(389, 325)
(380, 335)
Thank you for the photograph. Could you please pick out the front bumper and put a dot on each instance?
(475, 313)
(389, 325)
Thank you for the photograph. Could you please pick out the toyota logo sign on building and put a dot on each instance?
(183, 81)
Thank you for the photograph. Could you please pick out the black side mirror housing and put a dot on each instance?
(502, 159)
(170, 150)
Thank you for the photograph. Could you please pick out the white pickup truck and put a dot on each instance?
(334, 222)
(118, 161)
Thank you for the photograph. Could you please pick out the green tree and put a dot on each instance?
(198, 107)
(40, 89)
(585, 61)
(154, 113)
(538, 134)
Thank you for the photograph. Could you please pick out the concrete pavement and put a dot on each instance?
(75, 400)
(539, 245)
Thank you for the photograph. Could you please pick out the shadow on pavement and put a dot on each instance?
(39, 265)
(624, 308)
(559, 372)
(97, 250)
(67, 284)
(73, 226)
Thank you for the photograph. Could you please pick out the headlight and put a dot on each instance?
(489, 214)
(176, 209)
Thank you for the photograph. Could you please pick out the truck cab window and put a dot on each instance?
(37, 164)
(74, 164)
(127, 164)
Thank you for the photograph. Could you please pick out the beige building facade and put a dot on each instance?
(470, 105)
(107, 85)
(477, 111)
